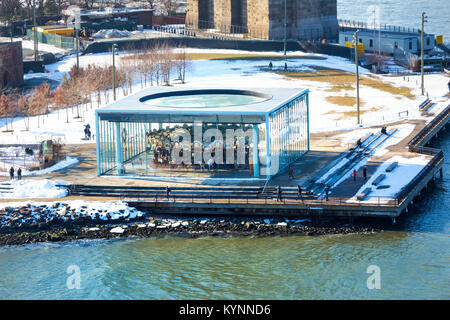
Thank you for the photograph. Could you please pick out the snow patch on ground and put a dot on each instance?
(402, 175)
(60, 165)
(24, 189)
(380, 107)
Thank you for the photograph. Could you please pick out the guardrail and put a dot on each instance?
(414, 146)
(352, 24)
(419, 137)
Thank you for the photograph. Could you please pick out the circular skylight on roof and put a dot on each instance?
(191, 99)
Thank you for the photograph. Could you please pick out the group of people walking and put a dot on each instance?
(19, 173)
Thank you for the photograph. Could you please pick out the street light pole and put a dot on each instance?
(355, 36)
(285, 26)
(78, 47)
(421, 53)
(114, 69)
(35, 32)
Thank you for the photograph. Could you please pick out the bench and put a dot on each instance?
(363, 194)
(423, 104)
(378, 179)
(392, 166)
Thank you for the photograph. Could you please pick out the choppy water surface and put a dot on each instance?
(414, 263)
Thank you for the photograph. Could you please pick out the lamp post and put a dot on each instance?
(114, 46)
(74, 12)
(285, 26)
(35, 32)
(421, 52)
(355, 37)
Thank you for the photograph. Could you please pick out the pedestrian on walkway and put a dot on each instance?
(11, 173)
(19, 173)
(291, 173)
(168, 190)
(327, 190)
(365, 172)
(359, 143)
(354, 174)
(285, 66)
(270, 65)
(279, 194)
(299, 193)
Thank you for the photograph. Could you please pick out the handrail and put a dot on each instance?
(418, 138)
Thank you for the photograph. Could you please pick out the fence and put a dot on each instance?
(56, 40)
(414, 146)
(419, 137)
(352, 25)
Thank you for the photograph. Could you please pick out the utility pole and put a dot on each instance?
(285, 26)
(355, 36)
(78, 47)
(35, 32)
(421, 52)
(114, 69)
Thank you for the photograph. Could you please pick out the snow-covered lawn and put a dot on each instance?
(380, 106)
(31, 189)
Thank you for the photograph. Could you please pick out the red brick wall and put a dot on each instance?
(11, 64)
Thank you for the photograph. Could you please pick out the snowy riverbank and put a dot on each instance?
(75, 220)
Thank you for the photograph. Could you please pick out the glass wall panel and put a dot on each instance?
(288, 132)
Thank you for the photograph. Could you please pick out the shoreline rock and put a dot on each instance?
(156, 227)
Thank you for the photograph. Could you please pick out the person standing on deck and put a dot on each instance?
(19, 173)
(354, 174)
(168, 192)
(279, 194)
(291, 173)
(270, 65)
(299, 193)
(327, 190)
(11, 173)
(365, 172)
(285, 66)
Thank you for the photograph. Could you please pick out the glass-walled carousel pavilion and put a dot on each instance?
(203, 133)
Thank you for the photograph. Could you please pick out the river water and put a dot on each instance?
(413, 260)
(405, 13)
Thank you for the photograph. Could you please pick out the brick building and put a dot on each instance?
(264, 19)
(11, 64)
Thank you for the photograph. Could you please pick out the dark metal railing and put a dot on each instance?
(419, 137)
(348, 25)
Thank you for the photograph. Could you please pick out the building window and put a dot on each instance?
(360, 40)
(428, 41)
(346, 39)
(410, 45)
(371, 43)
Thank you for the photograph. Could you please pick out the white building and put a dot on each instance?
(387, 42)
